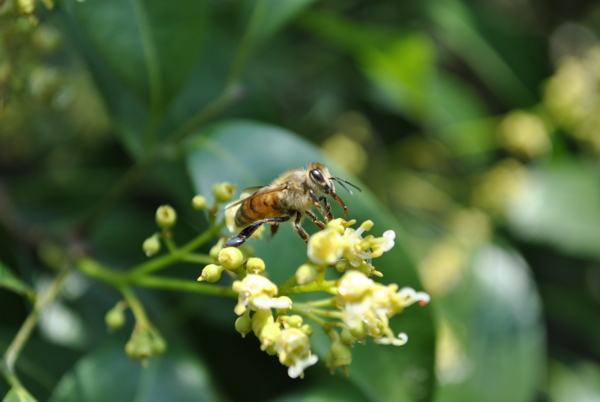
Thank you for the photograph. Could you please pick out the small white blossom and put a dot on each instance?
(293, 348)
(256, 293)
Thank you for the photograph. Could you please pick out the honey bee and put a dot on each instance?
(290, 196)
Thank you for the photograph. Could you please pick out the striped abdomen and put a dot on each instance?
(256, 208)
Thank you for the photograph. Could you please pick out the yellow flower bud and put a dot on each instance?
(211, 273)
(295, 321)
(243, 324)
(307, 329)
(255, 265)
(165, 216)
(306, 273)
(224, 191)
(151, 245)
(199, 202)
(231, 258)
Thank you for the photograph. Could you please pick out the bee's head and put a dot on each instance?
(320, 178)
(322, 181)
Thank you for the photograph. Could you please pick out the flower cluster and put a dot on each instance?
(357, 306)
(345, 247)
(368, 306)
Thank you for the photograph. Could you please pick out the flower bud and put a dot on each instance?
(115, 317)
(268, 335)
(211, 273)
(347, 337)
(216, 249)
(165, 217)
(243, 324)
(231, 258)
(339, 355)
(307, 329)
(255, 265)
(260, 319)
(295, 321)
(306, 273)
(151, 245)
(159, 346)
(198, 202)
(224, 191)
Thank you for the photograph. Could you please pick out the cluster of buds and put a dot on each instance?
(144, 343)
(166, 217)
(285, 336)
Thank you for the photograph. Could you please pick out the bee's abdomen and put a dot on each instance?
(257, 208)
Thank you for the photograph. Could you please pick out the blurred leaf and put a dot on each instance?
(493, 346)
(273, 15)
(331, 389)
(109, 375)
(140, 53)
(151, 45)
(401, 65)
(574, 384)
(9, 281)
(458, 30)
(249, 154)
(560, 205)
(18, 395)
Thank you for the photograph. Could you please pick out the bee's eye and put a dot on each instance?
(317, 176)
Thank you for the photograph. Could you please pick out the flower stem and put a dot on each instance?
(14, 349)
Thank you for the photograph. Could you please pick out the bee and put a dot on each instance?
(290, 196)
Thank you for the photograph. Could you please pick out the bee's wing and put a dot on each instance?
(256, 191)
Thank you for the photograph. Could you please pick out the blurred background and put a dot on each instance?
(476, 124)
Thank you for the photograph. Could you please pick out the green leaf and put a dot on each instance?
(18, 395)
(560, 205)
(458, 31)
(250, 154)
(151, 45)
(109, 375)
(272, 15)
(493, 337)
(9, 281)
(401, 66)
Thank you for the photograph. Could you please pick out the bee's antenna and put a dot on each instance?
(342, 181)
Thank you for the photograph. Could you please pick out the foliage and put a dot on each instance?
(472, 128)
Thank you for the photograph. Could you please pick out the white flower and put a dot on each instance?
(256, 293)
(293, 348)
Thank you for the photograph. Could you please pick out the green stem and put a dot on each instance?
(160, 282)
(325, 286)
(248, 43)
(136, 307)
(198, 258)
(331, 302)
(12, 353)
(165, 260)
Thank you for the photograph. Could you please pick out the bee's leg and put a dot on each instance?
(339, 200)
(241, 238)
(274, 228)
(299, 228)
(327, 206)
(317, 203)
(314, 218)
